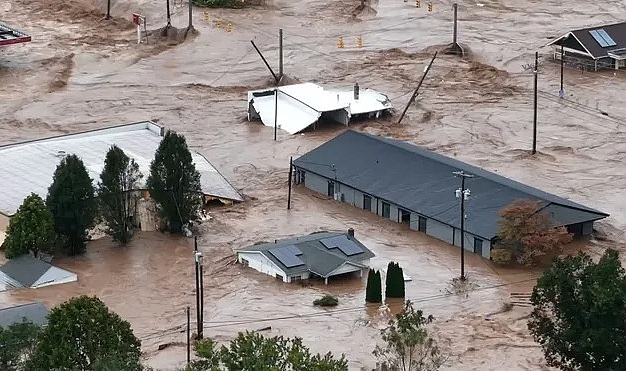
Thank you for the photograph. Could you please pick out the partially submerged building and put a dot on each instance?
(409, 184)
(35, 313)
(29, 166)
(300, 106)
(323, 255)
(10, 36)
(593, 48)
(29, 272)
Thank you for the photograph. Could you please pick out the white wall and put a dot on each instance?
(262, 264)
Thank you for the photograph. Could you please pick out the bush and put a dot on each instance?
(501, 255)
(326, 301)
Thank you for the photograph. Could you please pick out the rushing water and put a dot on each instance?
(80, 73)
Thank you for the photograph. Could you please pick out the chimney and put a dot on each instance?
(351, 232)
(356, 91)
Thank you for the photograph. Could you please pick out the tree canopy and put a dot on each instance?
(174, 182)
(579, 315)
(528, 233)
(251, 351)
(118, 180)
(71, 200)
(31, 229)
(83, 334)
(408, 347)
(16, 344)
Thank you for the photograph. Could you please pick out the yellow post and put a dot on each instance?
(218, 23)
(340, 43)
(359, 42)
(418, 4)
(205, 15)
(430, 6)
(229, 27)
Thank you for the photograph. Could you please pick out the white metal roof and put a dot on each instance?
(300, 105)
(28, 167)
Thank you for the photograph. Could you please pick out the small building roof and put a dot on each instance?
(598, 46)
(9, 36)
(422, 181)
(29, 166)
(301, 105)
(27, 271)
(36, 313)
(311, 253)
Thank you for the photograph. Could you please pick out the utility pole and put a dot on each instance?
(418, 87)
(463, 194)
(275, 112)
(535, 105)
(188, 335)
(290, 180)
(190, 13)
(201, 330)
(454, 9)
(108, 16)
(198, 319)
(562, 92)
(280, 53)
(169, 18)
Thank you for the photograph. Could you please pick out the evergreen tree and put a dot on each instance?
(30, 229)
(401, 284)
(394, 281)
(174, 182)
(71, 200)
(118, 180)
(373, 290)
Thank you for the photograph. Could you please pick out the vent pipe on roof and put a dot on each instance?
(60, 154)
(351, 232)
(356, 91)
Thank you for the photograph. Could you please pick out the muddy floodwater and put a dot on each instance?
(82, 72)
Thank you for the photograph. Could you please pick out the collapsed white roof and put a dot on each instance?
(301, 105)
(28, 167)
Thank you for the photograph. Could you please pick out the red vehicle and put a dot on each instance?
(10, 36)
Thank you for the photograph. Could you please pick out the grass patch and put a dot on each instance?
(326, 301)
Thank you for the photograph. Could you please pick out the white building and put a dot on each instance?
(323, 255)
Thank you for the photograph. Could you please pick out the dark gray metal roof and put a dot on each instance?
(617, 32)
(33, 312)
(422, 181)
(25, 269)
(317, 258)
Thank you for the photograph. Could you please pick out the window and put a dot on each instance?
(296, 278)
(386, 210)
(245, 262)
(331, 189)
(421, 224)
(301, 176)
(404, 216)
(279, 277)
(478, 246)
(367, 203)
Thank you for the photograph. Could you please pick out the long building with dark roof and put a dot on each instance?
(409, 184)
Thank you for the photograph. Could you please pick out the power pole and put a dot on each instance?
(418, 87)
(463, 194)
(562, 92)
(535, 105)
(188, 335)
(201, 330)
(198, 319)
(108, 10)
(290, 180)
(190, 13)
(275, 112)
(169, 18)
(454, 8)
(280, 53)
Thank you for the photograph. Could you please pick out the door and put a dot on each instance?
(478, 246)
(367, 203)
(331, 189)
(386, 210)
(421, 224)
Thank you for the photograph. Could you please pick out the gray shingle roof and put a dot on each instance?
(33, 312)
(422, 181)
(316, 257)
(25, 269)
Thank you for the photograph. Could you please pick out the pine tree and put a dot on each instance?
(373, 290)
(118, 180)
(174, 182)
(378, 293)
(71, 200)
(394, 281)
(401, 284)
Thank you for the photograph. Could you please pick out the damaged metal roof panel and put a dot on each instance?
(29, 166)
(9, 36)
(301, 105)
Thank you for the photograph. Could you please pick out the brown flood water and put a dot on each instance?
(82, 73)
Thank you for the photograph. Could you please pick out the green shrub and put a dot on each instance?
(326, 301)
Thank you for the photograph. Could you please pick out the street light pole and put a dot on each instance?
(463, 194)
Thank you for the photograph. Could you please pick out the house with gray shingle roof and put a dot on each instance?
(27, 271)
(36, 313)
(322, 254)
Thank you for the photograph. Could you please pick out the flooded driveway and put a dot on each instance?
(81, 73)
